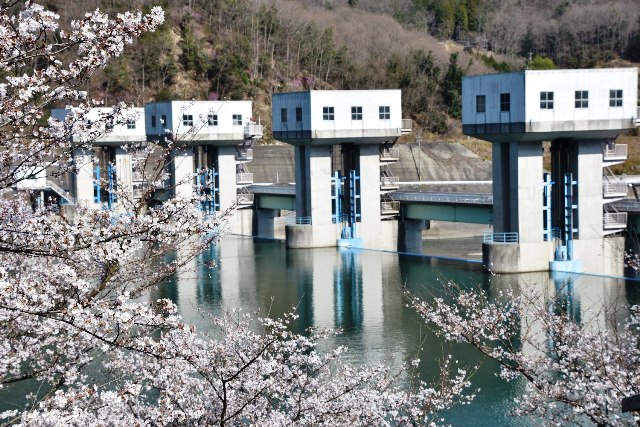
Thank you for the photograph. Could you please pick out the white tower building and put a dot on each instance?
(105, 165)
(212, 145)
(557, 221)
(340, 137)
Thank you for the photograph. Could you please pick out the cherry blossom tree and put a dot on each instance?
(578, 368)
(77, 327)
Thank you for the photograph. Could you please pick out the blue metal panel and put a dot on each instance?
(208, 190)
(96, 186)
(546, 209)
(111, 186)
(336, 197)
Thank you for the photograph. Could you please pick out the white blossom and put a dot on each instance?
(576, 372)
(75, 314)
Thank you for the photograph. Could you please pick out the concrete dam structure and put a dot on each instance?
(336, 179)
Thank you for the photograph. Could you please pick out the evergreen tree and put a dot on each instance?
(452, 86)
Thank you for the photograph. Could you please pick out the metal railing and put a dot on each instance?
(245, 155)
(454, 198)
(390, 155)
(407, 126)
(490, 237)
(244, 178)
(615, 151)
(614, 188)
(297, 220)
(390, 207)
(252, 130)
(615, 220)
(389, 182)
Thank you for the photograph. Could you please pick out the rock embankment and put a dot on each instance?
(433, 161)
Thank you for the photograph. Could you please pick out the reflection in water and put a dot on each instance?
(347, 285)
(566, 303)
(361, 292)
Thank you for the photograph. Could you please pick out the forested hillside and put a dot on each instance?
(249, 49)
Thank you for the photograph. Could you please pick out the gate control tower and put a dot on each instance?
(553, 221)
(212, 145)
(105, 166)
(342, 138)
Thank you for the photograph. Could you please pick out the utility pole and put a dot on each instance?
(419, 141)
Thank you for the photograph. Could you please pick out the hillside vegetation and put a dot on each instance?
(249, 49)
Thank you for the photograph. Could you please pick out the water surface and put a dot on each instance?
(361, 293)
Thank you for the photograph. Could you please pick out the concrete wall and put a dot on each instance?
(83, 181)
(122, 133)
(564, 83)
(290, 101)
(517, 257)
(124, 178)
(517, 189)
(313, 196)
(604, 255)
(369, 226)
(182, 173)
(564, 120)
(491, 86)
(241, 222)
(225, 132)
(227, 177)
(589, 191)
(342, 129)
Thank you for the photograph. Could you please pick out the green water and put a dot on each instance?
(361, 292)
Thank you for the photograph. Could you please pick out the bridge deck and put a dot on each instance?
(429, 197)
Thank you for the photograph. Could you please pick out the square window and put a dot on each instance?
(384, 112)
(298, 114)
(212, 120)
(505, 102)
(163, 121)
(615, 98)
(481, 103)
(153, 121)
(582, 99)
(131, 124)
(283, 115)
(237, 119)
(187, 119)
(327, 113)
(356, 113)
(546, 100)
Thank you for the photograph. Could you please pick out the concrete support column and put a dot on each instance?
(517, 189)
(589, 190)
(182, 172)
(527, 194)
(501, 188)
(227, 178)
(410, 234)
(369, 170)
(265, 222)
(313, 199)
(83, 180)
(124, 176)
(517, 207)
